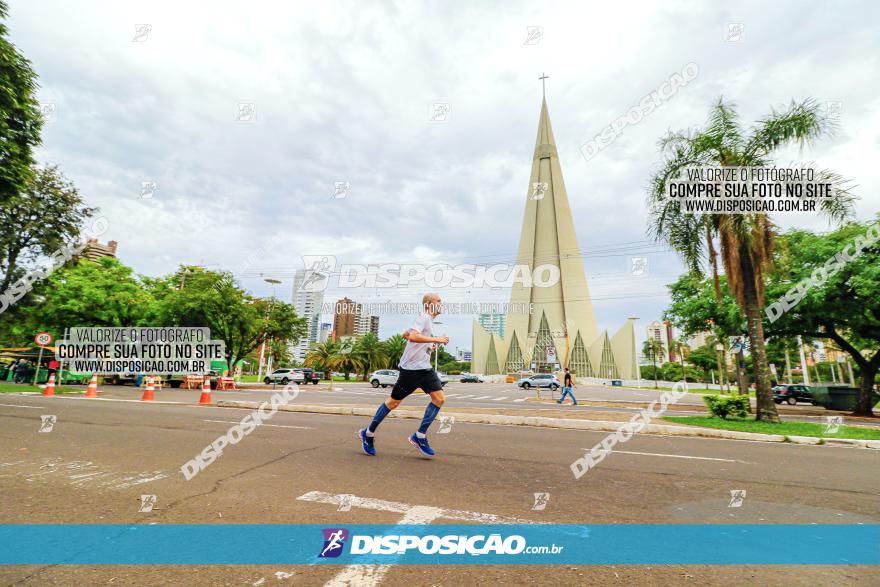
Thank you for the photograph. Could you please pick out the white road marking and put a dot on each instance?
(370, 575)
(498, 399)
(656, 454)
(522, 399)
(483, 397)
(18, 406)
(273, 425)
(465, 396)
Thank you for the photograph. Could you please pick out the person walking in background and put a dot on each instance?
(567, 385)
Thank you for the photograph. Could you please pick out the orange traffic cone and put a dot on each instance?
(92, 389)
(50, 386)
(205, 400)
(148, 392)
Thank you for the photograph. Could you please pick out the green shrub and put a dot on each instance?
(736, 406)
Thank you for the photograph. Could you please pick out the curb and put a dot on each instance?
(562, 423)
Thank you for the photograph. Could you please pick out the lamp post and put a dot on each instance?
(273, 283)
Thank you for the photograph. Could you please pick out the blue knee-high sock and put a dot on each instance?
(430, 413)
(377, 419)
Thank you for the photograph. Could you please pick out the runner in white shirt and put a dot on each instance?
(415, 373)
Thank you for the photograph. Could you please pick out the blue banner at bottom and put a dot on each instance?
(436, 544)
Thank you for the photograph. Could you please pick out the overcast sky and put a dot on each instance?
(342, 91)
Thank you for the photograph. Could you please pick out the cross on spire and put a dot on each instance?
(543, 87)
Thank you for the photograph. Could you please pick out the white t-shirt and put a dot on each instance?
(417, 355)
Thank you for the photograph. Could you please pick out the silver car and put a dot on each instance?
(384, 377)
(540, 380)
(284, 376)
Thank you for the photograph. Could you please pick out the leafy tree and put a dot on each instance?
(746, 240)
(394, 347)
(844, 307)
(679, 348)
(45, 216)
(323, 356)
(704, 357)
(370, 353)
(653, 349)
(195, 297)
(86, 293)
(279, 350)
(20, 118)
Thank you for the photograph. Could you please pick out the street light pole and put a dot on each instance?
(273, 283)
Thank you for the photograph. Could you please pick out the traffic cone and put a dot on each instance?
(50, 386)
(148, 392)
(92, 389)
(205, 400)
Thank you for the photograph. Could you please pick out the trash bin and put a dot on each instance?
(842, 398)
(617, 383)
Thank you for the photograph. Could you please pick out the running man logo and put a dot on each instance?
(318, 271)
(541, 500)
(47, 423)
(334, 540)
(737, 497)
(832, 424)
(446, 423)
(148, 502)
(539, 189)
(344, 503)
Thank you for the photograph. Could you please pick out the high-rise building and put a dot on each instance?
(308, 297)
(662, 333)
(326, 329)
(345, 317)
(561, 330)
(492, 323)
(95, 250)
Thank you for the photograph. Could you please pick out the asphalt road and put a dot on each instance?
(101, 456)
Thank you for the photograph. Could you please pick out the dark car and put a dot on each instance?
(311, 376)
(792, 394)
(470, 378)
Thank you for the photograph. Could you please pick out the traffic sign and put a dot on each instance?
(43, 339)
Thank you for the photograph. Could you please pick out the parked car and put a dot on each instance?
(540, 380)
(471, 378)
(792, 394)
(284, 376)
(384, 377)
(310, 375)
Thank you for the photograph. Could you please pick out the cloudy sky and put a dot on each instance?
(342, 92)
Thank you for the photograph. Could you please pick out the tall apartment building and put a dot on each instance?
(345, 317)
(661, 332)
(308, 302)
(95, 250)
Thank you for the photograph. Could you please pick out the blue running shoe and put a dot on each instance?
(366, 442)
(422, 445)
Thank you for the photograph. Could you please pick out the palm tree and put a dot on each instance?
(651, 349)
(746, 240)
(324, 356)
(678, 347)
(370, 352)
(346, 359)
(394, 349)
